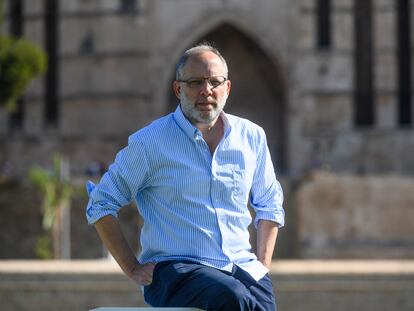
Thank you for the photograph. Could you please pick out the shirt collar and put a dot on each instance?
(226, 123)
(190, 129)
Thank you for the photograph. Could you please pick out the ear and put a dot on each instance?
(228, 84)
(177, 89)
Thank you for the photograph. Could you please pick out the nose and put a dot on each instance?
(206, 88)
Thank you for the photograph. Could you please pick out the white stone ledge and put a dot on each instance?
(60, 266)
(342, 267)
(103, 266)
(143, 309)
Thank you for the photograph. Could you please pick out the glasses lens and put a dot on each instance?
(216, 81)
(195, 83)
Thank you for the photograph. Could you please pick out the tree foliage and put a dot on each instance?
(20, 62)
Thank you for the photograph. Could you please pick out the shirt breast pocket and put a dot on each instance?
(240, 192)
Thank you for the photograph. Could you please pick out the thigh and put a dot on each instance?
(185, 284)
(264, 293)
(262, 290)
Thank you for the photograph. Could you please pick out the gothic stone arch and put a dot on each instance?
(258, 90)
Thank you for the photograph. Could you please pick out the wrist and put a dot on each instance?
(131, 268)
(265, 262)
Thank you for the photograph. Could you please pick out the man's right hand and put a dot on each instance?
(111, 235)
(142, 273)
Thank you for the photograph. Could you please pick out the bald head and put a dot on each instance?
(194, 53)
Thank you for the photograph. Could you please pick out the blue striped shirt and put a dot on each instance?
(193, 203)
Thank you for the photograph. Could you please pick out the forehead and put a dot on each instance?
(203, 65)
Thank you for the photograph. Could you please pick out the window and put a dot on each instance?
(404, 63)
(51, 30)
(324, 24)
(363, 67)
(16, 15)
(16, 29)
(127, 6)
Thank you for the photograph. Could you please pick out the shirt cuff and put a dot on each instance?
(98, 210)
(277, 216)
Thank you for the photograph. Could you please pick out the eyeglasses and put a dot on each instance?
(195, 83)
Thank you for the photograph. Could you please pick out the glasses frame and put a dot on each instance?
(187, 81)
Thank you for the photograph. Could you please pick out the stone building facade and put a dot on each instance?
(330, 81)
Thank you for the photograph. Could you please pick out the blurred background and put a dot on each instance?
(330, 81)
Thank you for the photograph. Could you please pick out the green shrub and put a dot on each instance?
(57, 191)
(20, 62)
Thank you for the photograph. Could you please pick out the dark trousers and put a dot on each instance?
(188, 284)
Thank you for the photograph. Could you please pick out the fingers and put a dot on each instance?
(143, 274)
(147, 272)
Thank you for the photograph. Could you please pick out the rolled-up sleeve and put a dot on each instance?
(266, 194)
(120, 184)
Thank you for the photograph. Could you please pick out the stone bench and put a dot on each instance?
(144, 309)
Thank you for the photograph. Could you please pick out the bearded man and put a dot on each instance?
(192, 174)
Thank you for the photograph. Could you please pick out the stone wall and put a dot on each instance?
(299, 285)
(116, 66)
(345, 216)
(327, 216)
(323, 121)
(21, 224)
(115, 70)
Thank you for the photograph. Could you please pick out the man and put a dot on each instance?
(192, 174)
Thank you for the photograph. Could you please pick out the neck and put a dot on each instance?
(208, 127)
(212, 133)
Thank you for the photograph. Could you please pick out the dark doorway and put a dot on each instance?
(257, 91)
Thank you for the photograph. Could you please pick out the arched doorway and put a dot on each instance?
(257, 88)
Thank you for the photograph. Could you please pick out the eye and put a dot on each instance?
(195, 82)
(216, 82)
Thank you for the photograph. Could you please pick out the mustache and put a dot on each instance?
(201, 101)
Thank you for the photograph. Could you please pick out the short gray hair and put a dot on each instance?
(196, 50)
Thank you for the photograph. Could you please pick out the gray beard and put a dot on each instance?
(191, 112)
